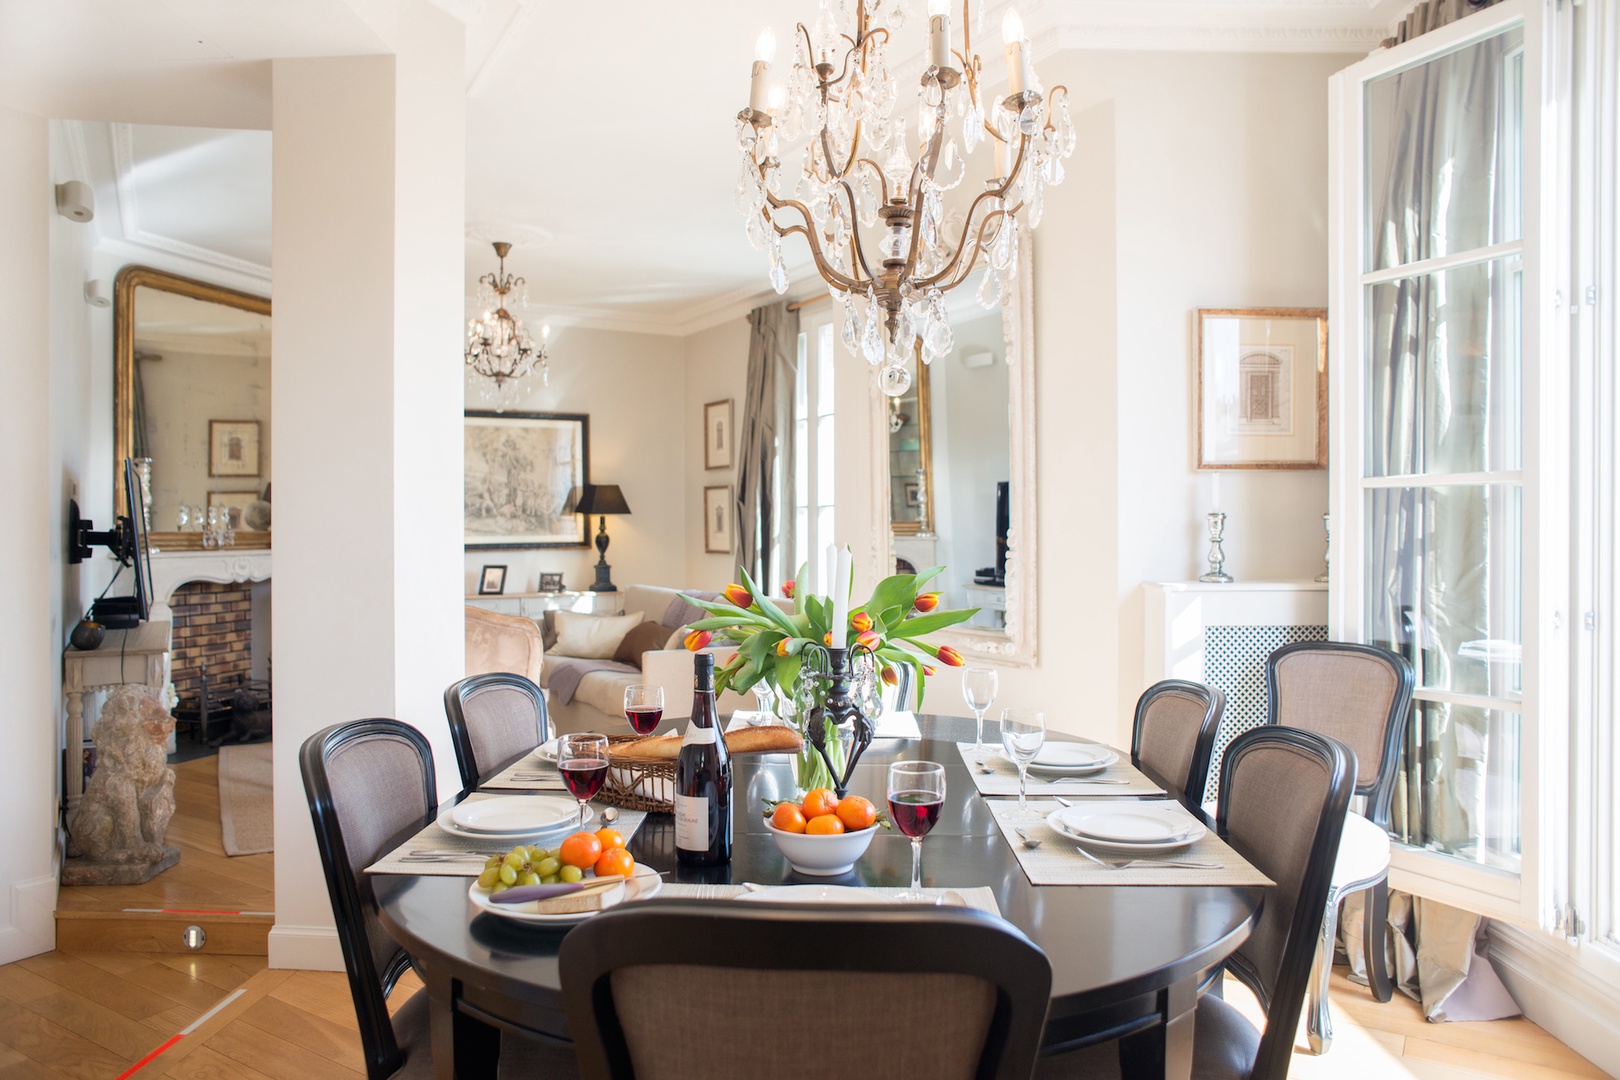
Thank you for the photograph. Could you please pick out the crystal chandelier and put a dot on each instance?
(861, 171)
(499, 346)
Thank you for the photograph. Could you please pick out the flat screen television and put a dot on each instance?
(129, 545)
(1003, 524)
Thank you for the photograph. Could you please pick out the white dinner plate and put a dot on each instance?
(645, 883)
(509, 815)
(1150, 826)
(448, 824)
(1070, 759)
(816, 894)
(547, 751)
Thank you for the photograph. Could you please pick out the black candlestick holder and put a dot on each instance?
(836, 669)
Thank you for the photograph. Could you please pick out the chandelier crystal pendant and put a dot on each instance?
(499, 347)
(861, 171)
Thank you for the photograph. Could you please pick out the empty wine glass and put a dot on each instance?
(979, 691)
(1023, 731)
(583, 761)
(644, 707)
(916, 796)
(182, 518)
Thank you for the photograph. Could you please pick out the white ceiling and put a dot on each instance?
(602, 147)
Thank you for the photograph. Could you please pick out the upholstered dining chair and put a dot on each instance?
(1362, 695)
(673, 989)
(1176, 722)
(1283, 796)
(368, 781)
(493, 717)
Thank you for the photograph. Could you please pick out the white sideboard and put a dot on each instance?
(534, 605)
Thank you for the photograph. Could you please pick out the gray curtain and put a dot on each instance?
(765, 481)
(140, 437)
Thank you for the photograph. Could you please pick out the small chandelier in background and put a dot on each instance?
(859, 168)
(499, 347)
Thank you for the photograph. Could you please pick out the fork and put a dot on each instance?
(1174, 864)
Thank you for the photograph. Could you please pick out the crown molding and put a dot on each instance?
(502, 48)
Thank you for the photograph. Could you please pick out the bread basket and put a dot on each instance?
(638, 783)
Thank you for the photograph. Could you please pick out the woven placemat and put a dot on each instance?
(1058, 861)
(434, 838)
(544, 774)
(1002, 779)
(980, 897)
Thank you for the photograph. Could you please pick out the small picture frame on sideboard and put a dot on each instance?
(551, 583)
(492, 581)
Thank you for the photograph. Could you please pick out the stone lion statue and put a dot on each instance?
(127, 807)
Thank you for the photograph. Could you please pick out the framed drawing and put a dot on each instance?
(237, 501)
(492, 581)
(233, 448)
(519, 471)
(551, 583)
(718, 435)
(1262, 388)
(717, 520)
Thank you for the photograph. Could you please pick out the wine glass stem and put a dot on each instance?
(916, 867)
(581, 824)
(978, 734)
(1023, 773)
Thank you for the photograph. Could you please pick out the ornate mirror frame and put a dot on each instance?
(1015, 644)
(925, 449)
(129, 279)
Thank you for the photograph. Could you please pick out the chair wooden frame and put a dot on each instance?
(351, 892)
(804, 937)
(1197, 780)
(1284, 1001)
(456, 696)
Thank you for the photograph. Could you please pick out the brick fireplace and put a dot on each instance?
(213, 625)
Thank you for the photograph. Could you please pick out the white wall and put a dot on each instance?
(716, 369)
(631, 387)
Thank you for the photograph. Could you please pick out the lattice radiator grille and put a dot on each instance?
(1235, 662)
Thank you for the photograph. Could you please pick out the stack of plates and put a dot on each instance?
(1133, 828)
(1071, 759)
(509, 819)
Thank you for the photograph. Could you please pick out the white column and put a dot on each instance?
(30, 670)
(367, 242)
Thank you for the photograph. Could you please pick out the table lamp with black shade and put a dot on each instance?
(601, 500)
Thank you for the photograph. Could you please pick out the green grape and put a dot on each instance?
(529, 878)
(538, 854)
(546, 866)
(492, 863)
(571, 874)
(549, 879)
(489, 877)
(515, 859)
(499, 887)
(508, 873)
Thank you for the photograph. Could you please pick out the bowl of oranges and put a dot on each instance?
(823, 835)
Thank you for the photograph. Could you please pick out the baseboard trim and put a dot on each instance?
(1568, 1000)
(305, 948)
(33, 920)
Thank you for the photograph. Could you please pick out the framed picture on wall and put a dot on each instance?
(718, 435)
(233, 448)
(717, 520)
(551, 583)
(1262, 388)
(492, 581)
(518, 474)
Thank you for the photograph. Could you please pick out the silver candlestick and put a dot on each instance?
(1327, 551)
(1217, 558)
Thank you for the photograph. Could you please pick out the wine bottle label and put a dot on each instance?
(692, 822)
(697, 735)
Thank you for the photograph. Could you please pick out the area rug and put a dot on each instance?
(246, 807)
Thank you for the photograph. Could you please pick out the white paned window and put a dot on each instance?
(813, 447)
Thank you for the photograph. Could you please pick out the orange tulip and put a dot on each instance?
(929, 671)
(826, 639)
(698, 640)
(949, 656)
(870, 639)
(788, 586)
(860, 622)
(781, 647)
(737, 595)
(891, 676)
(927, 601)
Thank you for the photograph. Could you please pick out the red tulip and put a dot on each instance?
(870, 639)
(738, 595)
(860, 622)
(949, 656)
(826, 639)
(928, 670)
(788, 586)
(927, 602)
(698, 640)
(891, 676)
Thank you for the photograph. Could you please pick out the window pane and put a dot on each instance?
(824, 464)
(801, 463)
(1443, 153)
(1458, 790)
(1444, 584)
(1444, 371)
(801, 381)
(824, 536)
(801, 541)
(824, 371)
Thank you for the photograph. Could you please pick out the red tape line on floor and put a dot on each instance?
(193, 1026)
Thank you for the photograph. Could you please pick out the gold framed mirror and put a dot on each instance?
(911, 456)
(191, 393)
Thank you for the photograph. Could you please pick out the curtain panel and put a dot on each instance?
(765, 473)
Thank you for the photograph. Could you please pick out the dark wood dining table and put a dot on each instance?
(1127, 961)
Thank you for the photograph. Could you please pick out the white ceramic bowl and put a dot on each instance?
(822, 856)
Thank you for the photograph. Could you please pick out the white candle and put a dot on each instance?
(764, 51)
(840, 622)
(1012, 32)
(1215, 492)
(939, 35)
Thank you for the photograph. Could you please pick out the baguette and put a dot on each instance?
(771, 739)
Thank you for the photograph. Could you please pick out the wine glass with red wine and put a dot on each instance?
(916, 796)
(644, 707)
(583, 761)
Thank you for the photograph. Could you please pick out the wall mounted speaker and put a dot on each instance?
(95, 293)
(75, 200)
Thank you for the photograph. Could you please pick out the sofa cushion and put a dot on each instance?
(592, 637)
(604, 690)
(647, 636)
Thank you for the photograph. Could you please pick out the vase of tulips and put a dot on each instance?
(785, 650)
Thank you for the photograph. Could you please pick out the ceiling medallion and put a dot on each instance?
(860, 169)
(499, 347)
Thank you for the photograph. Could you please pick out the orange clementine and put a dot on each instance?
(856, 813)
(581, 850)
(610, 839)
(615, 861)
(787, 817)
(820, 802)
(825, 825)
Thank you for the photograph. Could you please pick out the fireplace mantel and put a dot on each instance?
(172, 569)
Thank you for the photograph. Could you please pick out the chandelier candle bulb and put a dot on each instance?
(1018, 72)
(759, 94)
(939, 35)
